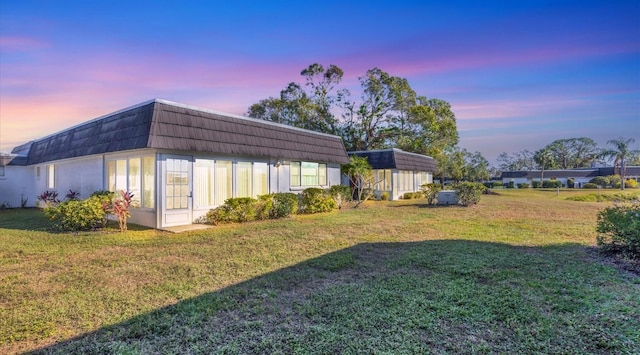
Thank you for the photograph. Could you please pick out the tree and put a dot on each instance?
(545, 159)
(309, 110)
(573, 153)
(522, 160)
(476, 167)
(360, 177)
(620, 154)
(388, 113)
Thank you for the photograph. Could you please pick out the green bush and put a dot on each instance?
(340, 193)
(535, 184)
(601, 181)
(510, 185)
(589, 185)
(315, 200)
(551, 184)
(468, 193)
(430, 192)
(498, 184)
(240, 209)
(523, 185)
(407, 196)
(631, 184)
(284, 205)
(570, 183)
(619, 229)
(75, 215)
(106, 198)
(384, 196)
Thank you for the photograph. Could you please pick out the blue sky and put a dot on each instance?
(518, 74)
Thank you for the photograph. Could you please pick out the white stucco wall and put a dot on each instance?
(17, 184)
(84, 175)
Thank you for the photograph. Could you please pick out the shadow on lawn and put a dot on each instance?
(432, 296)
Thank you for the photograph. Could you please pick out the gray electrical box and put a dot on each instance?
(447, 197)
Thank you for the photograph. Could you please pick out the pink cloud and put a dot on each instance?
(19, 43)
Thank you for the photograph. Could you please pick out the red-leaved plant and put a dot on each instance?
(120, 208)
(50, 198)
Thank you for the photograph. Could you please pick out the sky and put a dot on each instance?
(518, 74)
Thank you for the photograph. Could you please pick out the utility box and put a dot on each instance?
(447, 197)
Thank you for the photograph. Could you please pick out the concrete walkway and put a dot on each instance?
(186, 228)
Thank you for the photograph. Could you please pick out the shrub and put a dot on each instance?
(631, 183)
(468, 193)
(589, 185)
(510, 185)
(523, 185)
(74, 215)
(407, 196)
(72, 195)
(570, 183)
(488, 184)
(315, 200)
(619, 229)
(50, 198)
(551, 184)
(535, 184)
(498, 184)
(284, 204)
(602, 181)
(614, 181)
(430, 192)
(340, 193)
(239, 209)
(384, 196)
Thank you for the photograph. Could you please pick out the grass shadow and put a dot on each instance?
(431, 296)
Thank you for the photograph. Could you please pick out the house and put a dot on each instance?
(397, 172)
(579, 176)
(179, 161)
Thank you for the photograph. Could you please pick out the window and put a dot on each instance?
(243, 179)
(135, 175)
(308, 174)
(2, 171)
(295, 173)
(51, 176)
(204, 183)
(383, 179)
(406, 180)
(177, 187)
(260, 179)
(38, 172)
(223, 181)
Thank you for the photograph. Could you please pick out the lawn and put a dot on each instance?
(515, 274)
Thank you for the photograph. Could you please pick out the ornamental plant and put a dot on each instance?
(619, 229)
(430, 192)
(468, 193)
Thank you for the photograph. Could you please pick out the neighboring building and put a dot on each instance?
(179, 161)
(397, 171)
(579, 176)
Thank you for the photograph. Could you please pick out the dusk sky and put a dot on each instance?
(518, 74)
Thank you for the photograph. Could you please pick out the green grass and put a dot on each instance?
(514, 274)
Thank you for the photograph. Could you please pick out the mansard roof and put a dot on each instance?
(397, 159)
(168, 125)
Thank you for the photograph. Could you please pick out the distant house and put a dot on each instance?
(179, 161)
(579, 176)
(397, 171)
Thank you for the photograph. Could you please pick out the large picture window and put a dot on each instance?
(308, 174)
(214, 181)
(51, 176)
(135, 175)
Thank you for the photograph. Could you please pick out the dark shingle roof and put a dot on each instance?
(397, 159)
(167, 125)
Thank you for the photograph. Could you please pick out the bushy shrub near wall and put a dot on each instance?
(589, 185)
(74, 215)
(619, 229)
(384, 196)
(631, 183)
(240, 209)
(535, 184)
(407, 196)
(315, 200)
(551, 184)
(430, 192)
(510, 185)
(523, 185)
(281, 204)
(498, 184)
(341, 194)
(468, 193)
